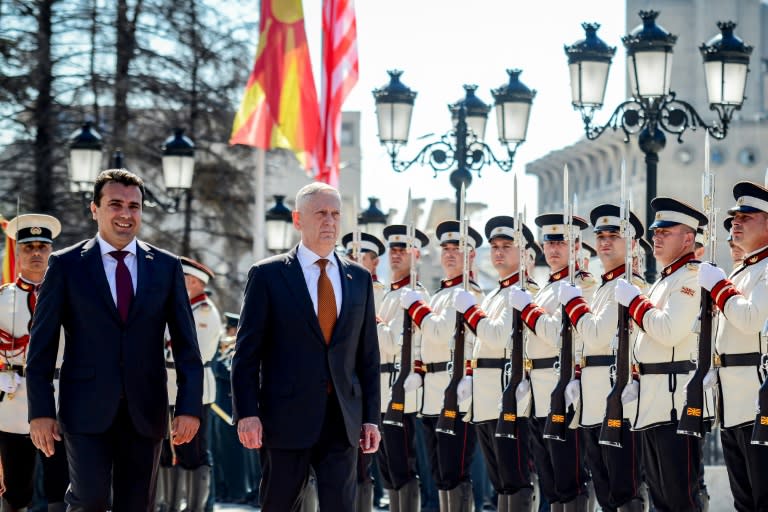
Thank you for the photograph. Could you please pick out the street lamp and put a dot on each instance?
(462, 149)
(372, 220)
(279, 226)
(653, 108)
(84, 159)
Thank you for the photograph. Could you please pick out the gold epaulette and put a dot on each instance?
(585, 279)
(532, 286)
(638, 281)
(379, 285)
(693, 266)
(205, 306)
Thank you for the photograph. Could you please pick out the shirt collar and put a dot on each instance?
(106, 248)
(509, 280)
(308, 258)
(755, 256)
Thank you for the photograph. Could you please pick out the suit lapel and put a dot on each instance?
(298, 287)
(92, 259)
(144, 267)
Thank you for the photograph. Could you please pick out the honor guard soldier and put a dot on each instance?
(742, 301)
(189, 481)
(587, 253)
(451, 455)
(615, 470)
(34, 234)
(371, 248)
(558, 463)
(397, 452)
(506, 458)
(737, 253)
(663, 352)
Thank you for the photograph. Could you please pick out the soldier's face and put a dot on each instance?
(399, 261)
(505, 256)
(556, 254)
(370, 261)
(118, 215)
(194, 285)
(452, 259)
(750, 230)
(610, 249)
(672, 242)
(318, 220)
(33, 259)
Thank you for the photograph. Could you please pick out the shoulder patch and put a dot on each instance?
(205, 306)
(687, 291)
(638, 281)
(586, 278)
(693, 266)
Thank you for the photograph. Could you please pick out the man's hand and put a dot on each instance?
(413, 382)
(370, 437)
(43, 432)
(625, 292)
(464, 389)
(518, 298)
(567, 293)
(710, 275)
(249, 430)
(463, 300)
(184, 428)
(408, 297)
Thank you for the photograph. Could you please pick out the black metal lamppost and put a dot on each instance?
(462, 149)
(372, 220)
(279, 226)
(653, 108)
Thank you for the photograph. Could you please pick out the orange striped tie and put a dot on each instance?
(326, 302)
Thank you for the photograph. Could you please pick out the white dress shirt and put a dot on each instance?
(308, 262)
(110, 264)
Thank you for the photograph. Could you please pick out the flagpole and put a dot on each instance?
(259, 205)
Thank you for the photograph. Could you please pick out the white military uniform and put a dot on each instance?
(438, 327)
(17, 304)
(543, 317)
(209, 328)
(666, 318)
(390, 331)
(743, 312)
(379, 290)
(597, 330)
(492, 343)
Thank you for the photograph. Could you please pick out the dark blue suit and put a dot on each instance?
(309, 396)
(113, 401)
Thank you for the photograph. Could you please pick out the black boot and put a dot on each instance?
(410, 497)
(521, 501)
(198, 488)
(442, 498)
(394, 500)
(309, 496)
(578, 504)
(59, 506)
(6, 507)
(460, 498)
(633, 505)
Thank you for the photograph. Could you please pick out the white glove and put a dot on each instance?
(463, 300)
(710, 275)
(9, 382)
(625, 293)
(572, 393)
(408, 297)
(523, 396)
(710, 379)
(413, 382)
(464, 389)
(568, 292)
(631, 392)
(518, 298)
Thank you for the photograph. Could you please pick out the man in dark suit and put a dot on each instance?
(305, 374)
(113, 295)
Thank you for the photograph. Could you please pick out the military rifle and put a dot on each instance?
(507, 424)
(691, 420)
(760, 429)
(396, 407)
(449, 415)
(610, 432)
(555, 426)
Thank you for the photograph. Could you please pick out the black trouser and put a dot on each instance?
(285, 472)
(747, 466)
(193, 454)
(506, 459)
(120, 459)
(18, 455)
(397, 453)
(449, 455)
(562, 475)
(615, 471)
(672, 464)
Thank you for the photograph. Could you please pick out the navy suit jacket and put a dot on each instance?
(104, 358)
(282, 366)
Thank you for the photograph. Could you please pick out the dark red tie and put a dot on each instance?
(123, 284)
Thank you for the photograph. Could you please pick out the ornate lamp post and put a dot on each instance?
(372, 220)
(279, 226)
(462, 149)
(653, 108)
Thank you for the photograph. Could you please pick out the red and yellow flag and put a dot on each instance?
(279, 108)
(9, 256)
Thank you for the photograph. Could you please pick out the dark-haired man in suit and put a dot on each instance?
(113, 295)
(305, 374)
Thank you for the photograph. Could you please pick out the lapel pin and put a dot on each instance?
(149, 256)
(349, 276)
